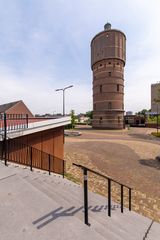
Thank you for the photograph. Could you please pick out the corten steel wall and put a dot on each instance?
(108, 55)
(155, 95)
(51, 142)
(19, 108)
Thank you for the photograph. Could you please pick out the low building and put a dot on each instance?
(39, 139)
(129, 113)
(17, 107)
(155, 97)
(134, 120)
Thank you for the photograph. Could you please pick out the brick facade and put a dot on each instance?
(108, 55)
(19, 108)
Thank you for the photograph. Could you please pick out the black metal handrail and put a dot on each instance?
(12, 149)
(11, 122)
(85, 176)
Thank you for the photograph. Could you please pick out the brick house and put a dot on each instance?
(17, 107)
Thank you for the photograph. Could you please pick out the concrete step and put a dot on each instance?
(154, 232)
(69, 196)
(67, 185)
(100, 221)
(71, 204)
(30, 214)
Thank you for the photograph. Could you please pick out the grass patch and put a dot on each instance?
(156, 134)
(70, 177)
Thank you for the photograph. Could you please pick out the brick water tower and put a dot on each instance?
(108, 56)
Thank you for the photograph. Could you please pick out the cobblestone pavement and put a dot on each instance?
(127, 156)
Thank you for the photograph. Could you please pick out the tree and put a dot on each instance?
(89, 114)
(143, 112)
(73, 118)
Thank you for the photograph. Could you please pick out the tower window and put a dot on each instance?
(109, 63)
(100, 88)
(109, 105)
(100, 65)
(100, 120)
(119, 119)
(94, 106)
(109, 74)
(117, 87)
(117, 63)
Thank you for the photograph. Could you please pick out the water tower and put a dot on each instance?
(108, 56)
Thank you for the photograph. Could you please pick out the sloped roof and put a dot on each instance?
(5, 107)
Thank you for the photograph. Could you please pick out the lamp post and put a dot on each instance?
(63, 89)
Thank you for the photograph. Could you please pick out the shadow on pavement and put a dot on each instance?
(154, 163)
(61, 212)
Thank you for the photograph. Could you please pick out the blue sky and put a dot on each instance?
(45, 44)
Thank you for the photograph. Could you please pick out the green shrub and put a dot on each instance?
(156, 134)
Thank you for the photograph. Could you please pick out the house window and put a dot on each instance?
(117, 87)
(119, 119)
(100, 88)
(94, 106)
(109, 74)
(109, 105)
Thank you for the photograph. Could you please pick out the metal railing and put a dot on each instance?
(85, 180)
(13, 150)
(11, 122)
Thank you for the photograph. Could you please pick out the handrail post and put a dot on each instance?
(49, 163)
(85, 196)
(63, 168)
(27, 120)
(109, 197)
(5, 139)
(31, 158)
(121, 198)
(129, 199)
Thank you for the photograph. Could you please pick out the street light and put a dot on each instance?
(63, 89)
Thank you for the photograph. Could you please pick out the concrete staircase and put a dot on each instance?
(35, 205)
